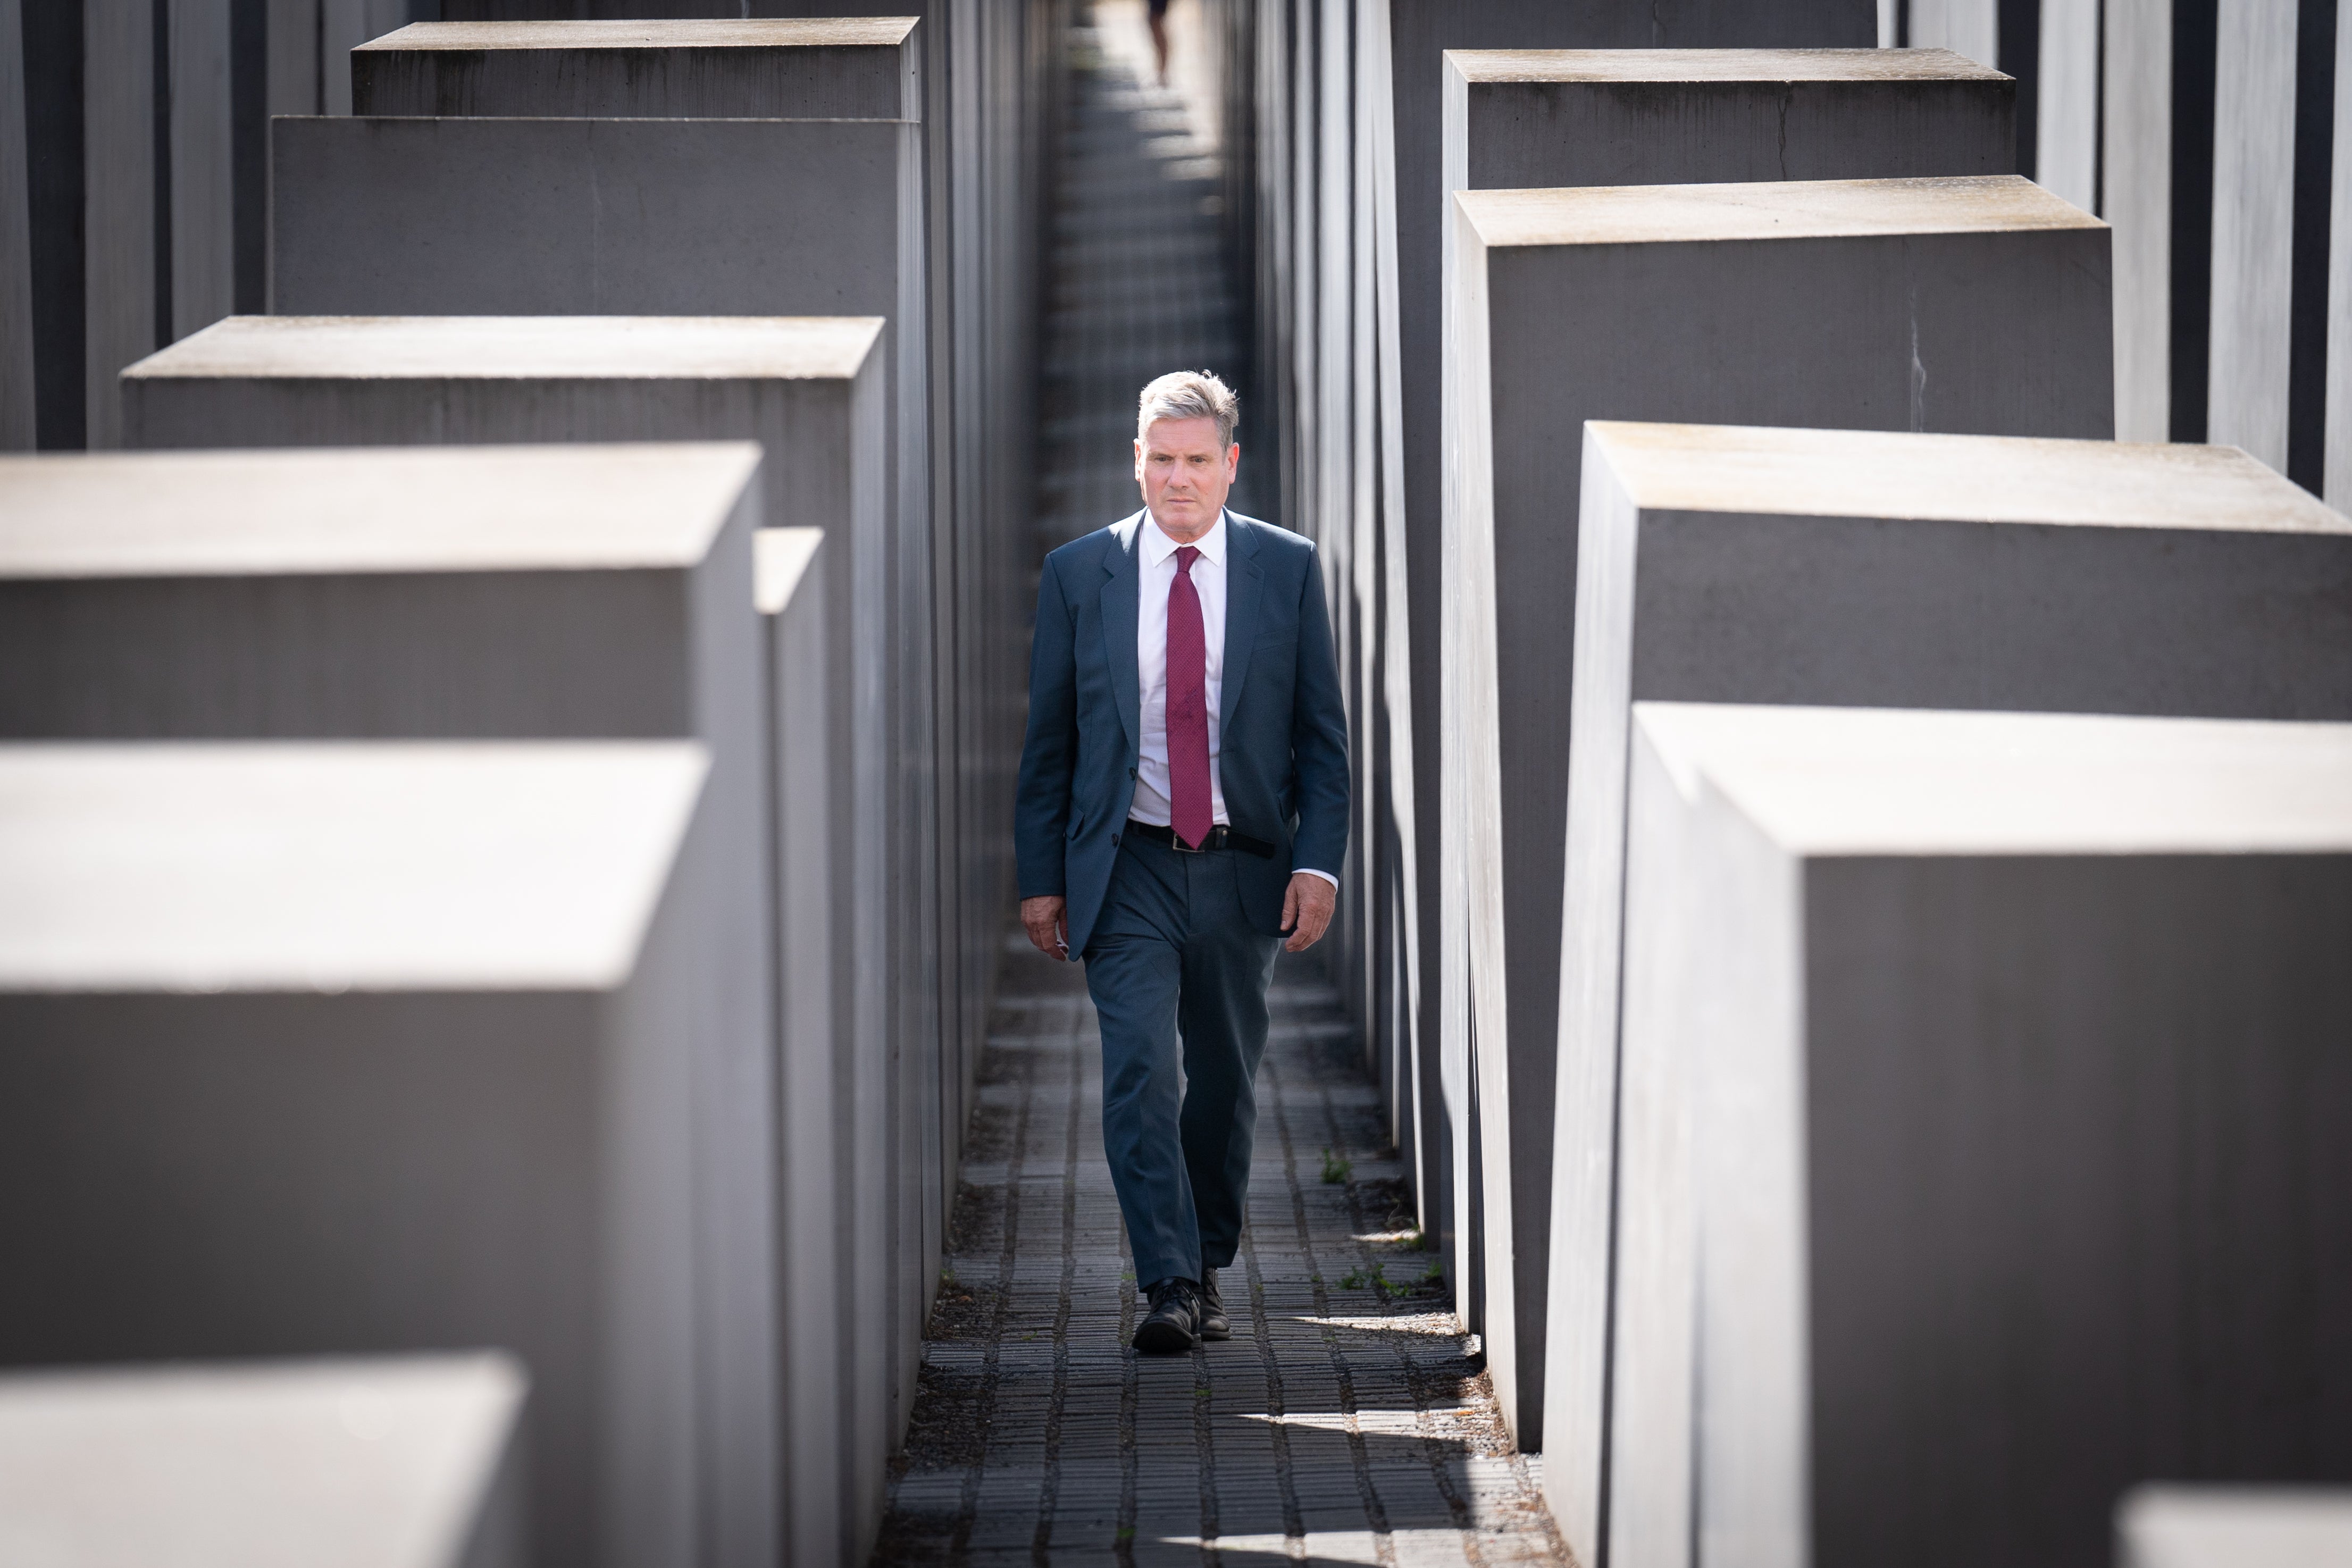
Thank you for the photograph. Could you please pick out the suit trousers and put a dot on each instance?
(1179, 978)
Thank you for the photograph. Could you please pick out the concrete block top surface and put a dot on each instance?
(2241, 1526)
(1714, 65)
(1759, 471)
(300, 867)
(521, 348)
(779, 558)
(369, 509)
(783, 33)
(1877, 781)
(373, 1463)
(1800, 209)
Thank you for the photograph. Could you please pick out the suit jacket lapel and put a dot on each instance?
(1123, 575)
(1243, 582)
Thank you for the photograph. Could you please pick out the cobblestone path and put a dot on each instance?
(1342, 1423)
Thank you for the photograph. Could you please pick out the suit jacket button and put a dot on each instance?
(1114, 839)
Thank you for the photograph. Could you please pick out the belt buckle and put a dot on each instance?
(1176, 841)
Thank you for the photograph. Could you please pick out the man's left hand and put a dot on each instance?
(1306, 906)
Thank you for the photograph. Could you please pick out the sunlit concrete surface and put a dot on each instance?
(380, 1462)
(858, 67)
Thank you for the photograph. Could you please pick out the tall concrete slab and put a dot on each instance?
(374, 1047)
(407, 1461)
(724, 217)
(566, 592)
(1541, 119)
(1984, 1090)
(1524, 119)
(1400, 90)
(811, 392)
(855, 67)
(1838, 568)
(388, 216)
(1964, 305)
(835, 1159)
(2252, 1526)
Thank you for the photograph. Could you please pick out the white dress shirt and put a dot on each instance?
(1156, 574)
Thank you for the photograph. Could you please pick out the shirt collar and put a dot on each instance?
(1158, 547)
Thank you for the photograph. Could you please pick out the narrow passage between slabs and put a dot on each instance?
(1343, 1422)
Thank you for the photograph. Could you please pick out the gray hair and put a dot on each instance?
(1190, 394)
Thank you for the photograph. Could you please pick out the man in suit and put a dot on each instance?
(1182, 808)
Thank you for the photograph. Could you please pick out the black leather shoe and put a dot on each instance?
(1214, 1324)
(1173, 1325)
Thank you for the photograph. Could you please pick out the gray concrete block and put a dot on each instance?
(2160, 1526)
(1725, 564)
(864, 68)
(1520, 119)
(375, 1048)
(1526, 117)
(811, 390)
(1401, 80)
(397, 1461)
(576, 217)
(1983, 1103)
(464, 216)
(813, 394)
(1960, 305)
(489, 593)
(835, 1162)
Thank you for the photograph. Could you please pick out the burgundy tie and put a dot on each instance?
(1188, 706)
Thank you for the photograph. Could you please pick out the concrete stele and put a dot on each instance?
(1975, 304)
(383, 1462)
(370, 1046)
(1888, 570)
(835, 1154)
(811, 391)
(847, 67)
(1523, 118)
(579, 613)
(1554, 117)
(2160, 1526)
(1946, 1037)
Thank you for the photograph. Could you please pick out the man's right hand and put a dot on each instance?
(1047, 922)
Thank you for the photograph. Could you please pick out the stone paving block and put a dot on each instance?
(1728, 564)
(374, 1047)
(494, 594)
(408, 1461)
(1977, 306)
(1983, 1092)
(845, 68)
(1520, 119)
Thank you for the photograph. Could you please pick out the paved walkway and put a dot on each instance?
(1342, 1423)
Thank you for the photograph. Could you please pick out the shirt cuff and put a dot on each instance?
(1326, 875)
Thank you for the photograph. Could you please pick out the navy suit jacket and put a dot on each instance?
(1282, 746)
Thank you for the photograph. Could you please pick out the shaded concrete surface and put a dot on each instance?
(1344, 1422)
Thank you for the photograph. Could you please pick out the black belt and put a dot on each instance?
(1218, 839)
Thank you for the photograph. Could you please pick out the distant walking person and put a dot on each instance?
(1159, 21)
(1182, 808)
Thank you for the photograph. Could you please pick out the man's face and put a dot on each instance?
(1184, 474)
